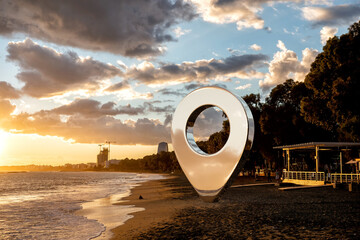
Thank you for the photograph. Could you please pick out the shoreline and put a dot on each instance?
(161, 200)
(112, 210)
(173, 210)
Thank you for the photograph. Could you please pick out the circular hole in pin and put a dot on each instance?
(207, 129)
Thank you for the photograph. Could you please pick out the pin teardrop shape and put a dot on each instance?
(211, 174)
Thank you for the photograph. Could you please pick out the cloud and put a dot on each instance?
(326, 33)
(202, 70)
(131, 28)
(130, 94)
(255, 47)
(338, 15)
(168, 120)
(281, 46)
(288, 32)
(48, 73)
(244, 86)
(123, 85)
(179, 31)
(187, 89)
(90, 121)
(192, 86)
(90, 108)
(285, 65)
(236, 52)
(308, 57)
(93, 108)
(245, 13)
(268, 29)
(8, 92)
(151, 108)
(6, 108)
(90, 130)
(169, 91)
(208, 122)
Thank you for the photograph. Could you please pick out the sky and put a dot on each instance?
(75, 74)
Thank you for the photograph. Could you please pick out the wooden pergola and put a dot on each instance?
(317, 146)
(310, 178)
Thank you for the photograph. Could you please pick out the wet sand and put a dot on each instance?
(174, 211)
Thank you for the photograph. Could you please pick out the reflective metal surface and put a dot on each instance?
(209, 174)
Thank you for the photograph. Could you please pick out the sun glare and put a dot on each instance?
(3, 136)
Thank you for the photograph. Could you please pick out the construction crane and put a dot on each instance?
(109, 142)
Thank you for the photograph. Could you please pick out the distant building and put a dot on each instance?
(80, 166)
(91, 165)
(163, 147)
(68, 165)
(102, 157)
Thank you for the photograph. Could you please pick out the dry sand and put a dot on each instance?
(174, 211)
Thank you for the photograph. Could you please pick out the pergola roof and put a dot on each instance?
(313, 145)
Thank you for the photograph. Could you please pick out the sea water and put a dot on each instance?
(43, 205)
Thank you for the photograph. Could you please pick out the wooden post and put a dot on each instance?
(288, 158)
(340, 162)
(317, 158)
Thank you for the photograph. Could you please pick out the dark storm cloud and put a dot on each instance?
(47, 72)
(131, 28)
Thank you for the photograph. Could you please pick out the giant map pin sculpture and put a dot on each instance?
(211, 174)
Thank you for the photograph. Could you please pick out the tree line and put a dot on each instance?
(325, 107)
(163, 162)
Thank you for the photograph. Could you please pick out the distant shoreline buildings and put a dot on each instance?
(102, 157)
(103, 160)
(162, 147)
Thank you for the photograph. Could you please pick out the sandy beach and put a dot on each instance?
(174, 211)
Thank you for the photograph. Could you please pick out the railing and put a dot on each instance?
(345, 177)
(301, 175)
